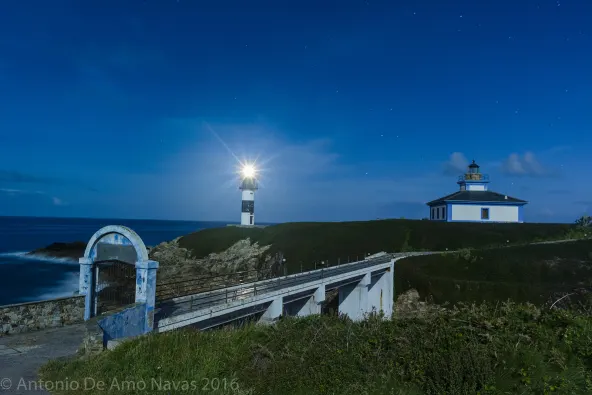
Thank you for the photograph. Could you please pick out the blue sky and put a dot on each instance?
(353, 109)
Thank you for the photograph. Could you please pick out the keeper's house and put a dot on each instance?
(474, 203)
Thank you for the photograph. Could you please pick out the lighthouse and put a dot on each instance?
(475, 202)
(248, 187)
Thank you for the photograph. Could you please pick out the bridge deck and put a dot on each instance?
(332, 277)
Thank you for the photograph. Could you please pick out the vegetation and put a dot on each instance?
(533, 273)
(305, 243)
(584, 221)
(486, 349)
(483, 348)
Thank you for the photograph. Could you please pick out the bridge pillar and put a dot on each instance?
(353, 299)
(311, 305)
(380, 294)
(85, 285)
(146, 290)
(273, 312)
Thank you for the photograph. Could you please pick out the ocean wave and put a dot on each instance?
(25, 256)
(65, 288)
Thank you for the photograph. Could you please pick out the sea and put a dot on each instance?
(28, 278)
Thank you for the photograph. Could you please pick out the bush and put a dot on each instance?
(532, 273)
(472, 349)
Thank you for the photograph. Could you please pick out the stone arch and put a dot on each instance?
(119, 235)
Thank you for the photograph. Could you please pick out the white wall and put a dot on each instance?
(248, 195)
(472, 212)
(471, 187)
(246, 219)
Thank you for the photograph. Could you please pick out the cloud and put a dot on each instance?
(584, 202)
(57, 201)
(558, 191)
(457, 163)
(300, 180)
(16, 177)
(21, 192)
(524, 165)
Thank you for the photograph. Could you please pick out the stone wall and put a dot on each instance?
(25, 317)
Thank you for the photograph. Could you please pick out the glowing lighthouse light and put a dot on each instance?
(248, 171)
(248, 187)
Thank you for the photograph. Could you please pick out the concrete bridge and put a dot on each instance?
(362, 287)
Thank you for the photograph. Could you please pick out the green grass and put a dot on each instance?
(486, 349)
(304, 243)
(531, 273)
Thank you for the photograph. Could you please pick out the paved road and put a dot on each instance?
(204, 300)
(22, 355)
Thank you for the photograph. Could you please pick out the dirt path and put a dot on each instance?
(22, 355)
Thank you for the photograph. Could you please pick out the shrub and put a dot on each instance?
(471, 349)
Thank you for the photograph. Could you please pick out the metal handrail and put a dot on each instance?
(251, 289)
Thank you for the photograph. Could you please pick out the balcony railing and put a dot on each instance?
(474, 177)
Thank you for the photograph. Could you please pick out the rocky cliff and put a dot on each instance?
(243, 256)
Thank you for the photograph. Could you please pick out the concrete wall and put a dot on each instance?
(472, 212)
(25, 317)
(128, 322)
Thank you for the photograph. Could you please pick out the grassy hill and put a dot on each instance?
(490, 349)
(531, 273)
(485, 350)
(306, 242)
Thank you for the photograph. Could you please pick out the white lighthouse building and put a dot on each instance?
(474, 202)
(248, 187)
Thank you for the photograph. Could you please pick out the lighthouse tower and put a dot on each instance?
(248, 188)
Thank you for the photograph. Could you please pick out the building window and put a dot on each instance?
(484, 213)
(439, 212)
(443, 212)
(432, 213)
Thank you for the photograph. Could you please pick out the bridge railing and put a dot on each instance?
(225, 292)
(205, 283)
(209, 282)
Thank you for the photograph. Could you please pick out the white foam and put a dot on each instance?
(25, 256)
(65, 288)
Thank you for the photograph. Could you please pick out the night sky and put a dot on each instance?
(352, 109)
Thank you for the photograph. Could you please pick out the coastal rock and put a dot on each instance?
(409, 305)
(243, 256)
(72, 250)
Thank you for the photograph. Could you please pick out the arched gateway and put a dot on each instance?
(116, 271)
